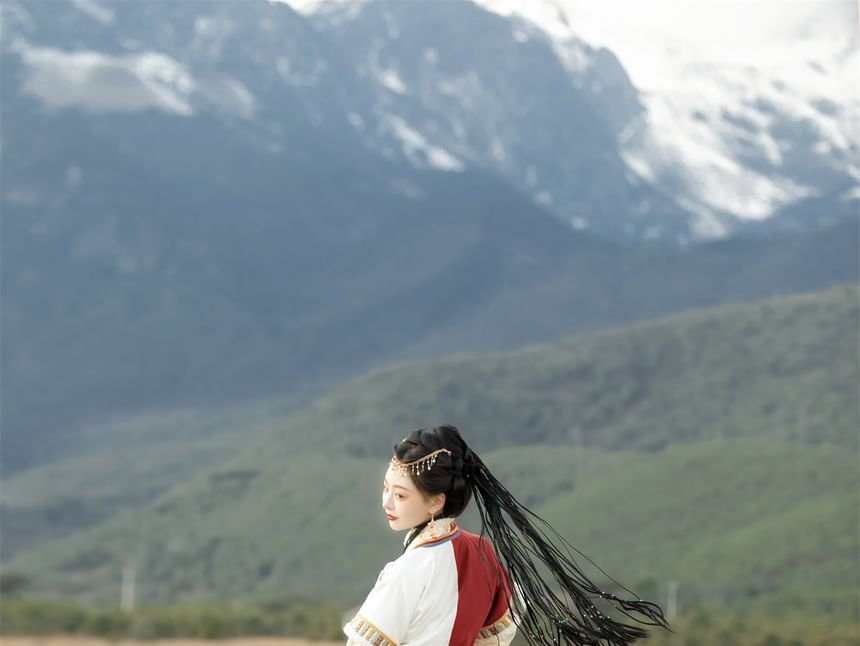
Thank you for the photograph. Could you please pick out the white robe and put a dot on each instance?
(435, 594)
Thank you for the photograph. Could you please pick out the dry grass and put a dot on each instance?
(74, 640)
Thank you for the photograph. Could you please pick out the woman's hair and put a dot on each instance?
(542, 615)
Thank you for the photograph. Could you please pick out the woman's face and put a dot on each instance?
(405, 506)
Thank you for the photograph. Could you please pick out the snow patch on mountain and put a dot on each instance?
(391, 80)
(337, 11)
(101, 83)
(416, 147)
(732, 137)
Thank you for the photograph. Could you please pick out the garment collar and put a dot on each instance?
(435, 530)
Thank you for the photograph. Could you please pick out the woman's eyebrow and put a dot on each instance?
(385, 480)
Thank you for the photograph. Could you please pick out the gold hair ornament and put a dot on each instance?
(419, 466)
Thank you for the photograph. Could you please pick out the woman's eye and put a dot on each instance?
(399, 496)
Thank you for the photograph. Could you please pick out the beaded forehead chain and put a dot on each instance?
(417, 467)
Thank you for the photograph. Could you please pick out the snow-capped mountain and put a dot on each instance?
(737, 126)
(667, 141)
(458, 86)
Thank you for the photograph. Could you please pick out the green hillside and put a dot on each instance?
(732, 523)
(121, 463)
(715, 448)
(763, 525)
(719, 372)
(783, 369)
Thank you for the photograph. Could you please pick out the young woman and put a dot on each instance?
(449, 587)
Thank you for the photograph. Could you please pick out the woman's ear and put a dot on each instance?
(438, 503)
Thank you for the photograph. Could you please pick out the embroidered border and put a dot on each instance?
(442, 539)
(496, 627)
(432, 533)
(369, 632)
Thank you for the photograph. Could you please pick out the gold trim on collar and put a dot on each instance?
(434, 530)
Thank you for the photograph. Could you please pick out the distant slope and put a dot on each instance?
(121, 463)
(781, 369)
(599, 289)
(632, 416)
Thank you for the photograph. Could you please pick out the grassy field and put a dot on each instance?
(699, 629)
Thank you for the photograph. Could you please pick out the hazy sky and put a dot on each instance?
(650, 34)
(705, 21)
(746, 23)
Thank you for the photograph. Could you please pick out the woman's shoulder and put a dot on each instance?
(412, 565)
(419, 556)
(412, 560)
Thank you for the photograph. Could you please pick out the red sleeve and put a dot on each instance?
(502, 594)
